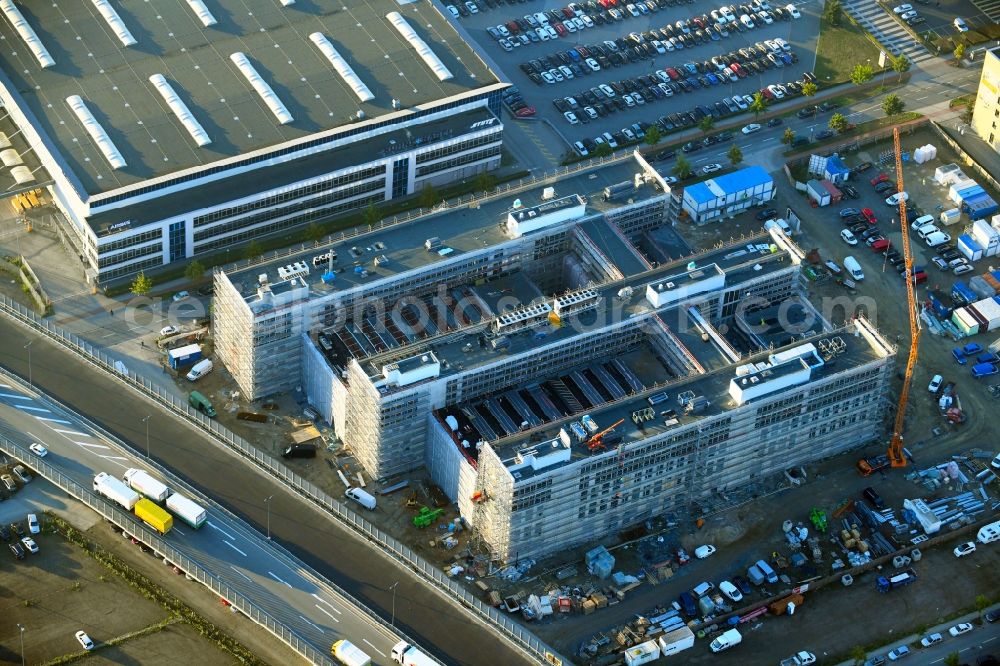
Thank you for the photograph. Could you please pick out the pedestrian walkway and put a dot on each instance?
(991, 8)
(886, 30)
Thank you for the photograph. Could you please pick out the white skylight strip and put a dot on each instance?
(342, 66)
(263, 89)
(201, 11)
(287, 3)
(27, 33)
(421, 47)
(115, 22)
(180, 110)
(96, 132)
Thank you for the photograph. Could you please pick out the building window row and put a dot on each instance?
(274, 212)
(444, 151)
(308, 216)
(137, 239)
(492, 99)
(290, 195)
(131, 253)
(458, 161)
(113, 273)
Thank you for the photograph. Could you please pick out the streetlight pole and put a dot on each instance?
(393, 588)
(21, 627)
(146, 421)
(28, 347)
(267, 503)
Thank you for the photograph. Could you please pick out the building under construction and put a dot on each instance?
(563, 368)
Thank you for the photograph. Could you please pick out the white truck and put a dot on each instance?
(349, 654)
(186, 510)
(726, 640)
(115, 490)
(146, 485)
(408, 655)
(801, 659)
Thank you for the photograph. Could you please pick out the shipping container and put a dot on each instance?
(186, 510)
(184, 355)
(835, 194)
(964, 322)
(950, 216)
(818, 193)
(643, 653)
(961, 293)
(959, 186)
(980, 207)
(154, 516)
(990, 310)
(969, 248)
(992, 281)
(982, 288)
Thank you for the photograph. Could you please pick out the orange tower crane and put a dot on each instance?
(596, 442)
(896, 456)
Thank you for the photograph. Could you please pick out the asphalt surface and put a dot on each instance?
(237, 555)
(801, 35)
(312, 536)
(978, 643)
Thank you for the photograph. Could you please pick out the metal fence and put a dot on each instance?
(162, 549)
(523, 638)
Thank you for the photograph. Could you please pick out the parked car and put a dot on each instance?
(959, 629)
(711, 168)
(967, 548)
(898, 653)
(935, 384)
(848, 237)
(701, 552)
(81, 636)
(33, 526)
(730, 591)
(931, 639)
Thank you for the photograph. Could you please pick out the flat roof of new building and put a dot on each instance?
(462, 229)
(731, 183)
(113, 80)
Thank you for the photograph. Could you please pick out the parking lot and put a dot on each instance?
(799, 34)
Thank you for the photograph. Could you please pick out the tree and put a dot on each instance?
(966, 116)
(706, 124)
(959, 51)
(838, 123)
(313, 233)
(982, 603)
(892, 105)
(900, 64)
(859, 655)
(758, 105)
(194, 271)
(682, 168)
(428, 196)
(653, 135)
(788, 136)
(952, 659)
(485, 182)
(603, 150)
(371, 215)
(862, 74)
(735, 155)
(809, 89)
(833, 12)
(141, 285)
(253, 250)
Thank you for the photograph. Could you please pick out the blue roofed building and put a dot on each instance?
(728, 195)
(835, 170)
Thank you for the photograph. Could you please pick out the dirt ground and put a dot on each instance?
(163, 648)
(61, 590)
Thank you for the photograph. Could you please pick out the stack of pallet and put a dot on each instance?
(25, 200)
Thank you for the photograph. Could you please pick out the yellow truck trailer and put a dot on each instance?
(154, 516)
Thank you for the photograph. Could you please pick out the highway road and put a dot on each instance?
(241, 557)
(329, 548)
(978, 643)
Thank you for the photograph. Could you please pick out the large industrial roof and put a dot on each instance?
(294, 86)
(731, 183)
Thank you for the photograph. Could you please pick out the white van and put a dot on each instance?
(726, 640)
(937, 238)
(765, 568)
(926, 230)
(780, 223)
(361, 497)
(989, 533)
(854, 268)
(922, 221)
(200, 369)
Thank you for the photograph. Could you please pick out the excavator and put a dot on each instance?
(895, 456)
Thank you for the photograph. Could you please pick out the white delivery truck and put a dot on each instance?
(361, 497)
(200, 369)
(350, 654)
(143, 483)
(407, 655)
(115, 490)
(186, 510)
(726, 640)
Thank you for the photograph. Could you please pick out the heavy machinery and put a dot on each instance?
(597, 441)
(896, 456)
(426, 516)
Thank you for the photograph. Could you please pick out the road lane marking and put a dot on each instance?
(219, 529)
(34, 409)
(114, 458)
(234, 548)
(271, 574)
(45, 418)
(72, 432)
(313, 624)
(322, 600)
(374, 648)
(241, 573)
(323, 610)
(96, 446)
(15, 396)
